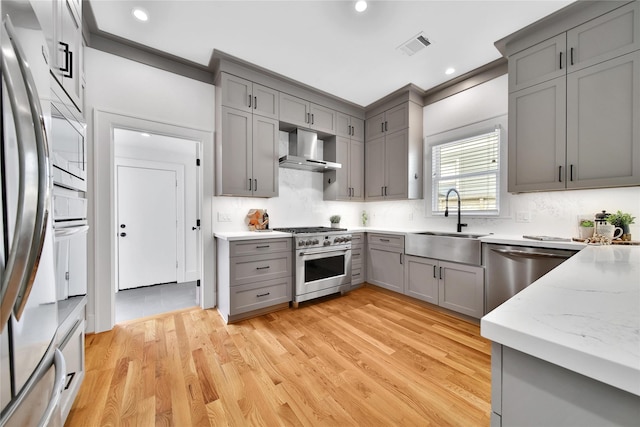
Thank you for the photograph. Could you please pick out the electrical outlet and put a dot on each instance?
(523, 216)
(224, 217)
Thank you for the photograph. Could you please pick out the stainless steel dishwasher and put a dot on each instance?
(510, 269)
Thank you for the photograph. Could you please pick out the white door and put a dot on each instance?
(147, 226)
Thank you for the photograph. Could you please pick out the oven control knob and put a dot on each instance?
(315, 241)
(300, 242)
(347, 239)
(337, 240)
(307, 243)
(327, 242)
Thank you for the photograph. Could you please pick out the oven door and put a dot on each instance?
(321, 272)
(71, 261)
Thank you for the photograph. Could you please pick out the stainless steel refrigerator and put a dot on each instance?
(32, 371)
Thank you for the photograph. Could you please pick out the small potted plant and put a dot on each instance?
(335, 221)
(586, 228)
(622, 220)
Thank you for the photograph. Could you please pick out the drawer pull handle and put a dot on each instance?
(70, 380)
(263, 268)
(384, 240)
(262, 246)
(262, 295)
(355, 274)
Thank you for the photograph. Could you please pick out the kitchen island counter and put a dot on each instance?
(583, 316)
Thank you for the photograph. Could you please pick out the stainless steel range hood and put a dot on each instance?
(303, 153)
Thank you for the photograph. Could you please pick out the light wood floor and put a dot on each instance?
(369, 358)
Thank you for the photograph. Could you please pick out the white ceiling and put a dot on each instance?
(326, 44)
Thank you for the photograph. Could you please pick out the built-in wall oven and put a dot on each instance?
(70, 242)
(322, 262)
(67, 143)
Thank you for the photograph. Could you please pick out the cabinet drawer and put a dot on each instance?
(72, 347)
(387, 240)
(260, 267)
(356, 255)
(357, 275)
(255, 296)
(255, 247)
(357, 239)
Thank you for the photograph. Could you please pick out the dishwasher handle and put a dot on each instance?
(525, 254)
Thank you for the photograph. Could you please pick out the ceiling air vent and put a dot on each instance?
(414, 45)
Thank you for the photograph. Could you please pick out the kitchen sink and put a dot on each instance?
(455, 247)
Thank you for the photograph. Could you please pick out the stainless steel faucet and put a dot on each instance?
(446, 208)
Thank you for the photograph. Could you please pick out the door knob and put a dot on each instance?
(193, 228)
(123, 234)
(123, 226)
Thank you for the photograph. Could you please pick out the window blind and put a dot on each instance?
(471, 166)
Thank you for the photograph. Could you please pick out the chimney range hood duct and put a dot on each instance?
(303, 153)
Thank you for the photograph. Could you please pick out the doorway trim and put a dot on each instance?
(102, 214)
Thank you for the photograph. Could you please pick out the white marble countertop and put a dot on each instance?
(249, 235)
(504, 239)
(584, 315)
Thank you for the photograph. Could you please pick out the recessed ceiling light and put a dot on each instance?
(361, 5)
(449, 71)
(140, 14)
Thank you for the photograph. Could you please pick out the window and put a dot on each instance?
(471, 166)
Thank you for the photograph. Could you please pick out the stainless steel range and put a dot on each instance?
(322, 261)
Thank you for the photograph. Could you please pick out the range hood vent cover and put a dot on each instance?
(414, 45)
(303, 153)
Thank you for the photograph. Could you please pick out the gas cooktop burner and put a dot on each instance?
(303, 230)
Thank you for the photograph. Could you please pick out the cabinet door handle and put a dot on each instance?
(561, 60)
(386, 126)
(382, 191)
(67, 70)
(307, 118)
(434, 271)
(255, 102)
(401, 258)
(381, 127)
(263, 268)
(440, 273)
(263, 295)
(571, 56)
(250, 188)
(385, 190)
(559, 173)
(255, 185)
(249, 100)
(571, 173)
(312, 119)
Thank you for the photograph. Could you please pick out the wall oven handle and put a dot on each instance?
(70, 231)
(323, 252)
(33, 181)
(525, 254)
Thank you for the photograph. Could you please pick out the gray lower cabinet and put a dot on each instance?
(527, 391)
(71, 313)
(254, 277)
(385, 261)
(358, 259)
(457, 287)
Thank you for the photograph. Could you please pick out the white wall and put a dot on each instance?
(128, 88)
(552, 213)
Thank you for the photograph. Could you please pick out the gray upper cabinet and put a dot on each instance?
(349, 127)
(247, 148)
(573, 105)
(246, 138)
(393, 153)
(247, 96)
(299, 112)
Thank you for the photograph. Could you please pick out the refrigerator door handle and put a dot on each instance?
(58, 387)
(33, 206)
